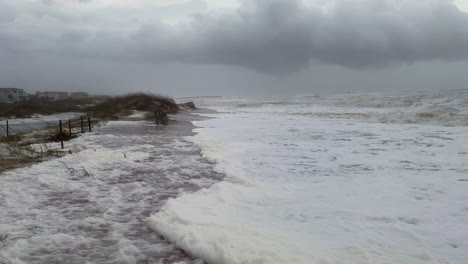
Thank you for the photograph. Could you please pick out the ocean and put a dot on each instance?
(354, 178)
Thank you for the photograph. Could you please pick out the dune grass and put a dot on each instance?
(44, 107)
(122, 106)
(17, 151)
(112, 108)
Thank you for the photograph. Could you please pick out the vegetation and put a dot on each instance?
(65, 136)
(122, 106)
(188, 106)
(10, 139)
(14, 154)
(20, 150)
(44, 107)
(113, 108)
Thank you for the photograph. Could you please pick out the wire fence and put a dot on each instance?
(59, 130)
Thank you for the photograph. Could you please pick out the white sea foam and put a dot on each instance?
(442, 108)
(90, 206)
(305, 188)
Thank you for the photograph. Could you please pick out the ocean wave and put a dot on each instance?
(449, 108)
(399, 117)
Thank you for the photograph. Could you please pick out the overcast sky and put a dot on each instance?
(233, 47)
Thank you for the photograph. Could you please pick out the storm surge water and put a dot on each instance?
(344, 179)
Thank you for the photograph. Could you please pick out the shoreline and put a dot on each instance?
(125, 172)
(317, 187)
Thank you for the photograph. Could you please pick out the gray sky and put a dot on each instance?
(233, 47)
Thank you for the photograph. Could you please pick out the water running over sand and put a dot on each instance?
(52, 216)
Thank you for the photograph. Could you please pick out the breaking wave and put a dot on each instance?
(448, 108)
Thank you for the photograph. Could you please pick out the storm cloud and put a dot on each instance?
(272, 36)
(284, 36)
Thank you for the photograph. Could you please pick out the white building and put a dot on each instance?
(53, 95)
(11, 95)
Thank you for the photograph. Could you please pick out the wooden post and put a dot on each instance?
(61, 133)
(7, 129)
(156, 116)
(89, 124)
(70, 128)
(82, 125)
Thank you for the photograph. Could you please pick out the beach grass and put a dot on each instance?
(123, 106)
(44, 107)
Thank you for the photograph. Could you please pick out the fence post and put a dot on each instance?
(69, 127)
(156, 116)
(61, 133)
(82, 126)
(7, 129)
(89, 124)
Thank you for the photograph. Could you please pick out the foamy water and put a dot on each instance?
(345, 179)
(91, 206)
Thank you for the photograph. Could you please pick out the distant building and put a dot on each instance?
(53, 95)
(11, 95)
(78, 95)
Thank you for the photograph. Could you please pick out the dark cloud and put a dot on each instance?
(35, 72)
(285, 36)
(279, 36)
(332, 45)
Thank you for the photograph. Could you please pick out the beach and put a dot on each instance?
(363, 178)
(91, 206)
